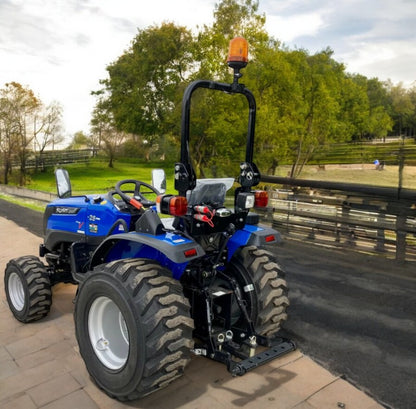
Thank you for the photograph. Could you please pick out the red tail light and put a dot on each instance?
(190, 253)
(178, 205)
(173, 205)
(270, 238)
(261, 198)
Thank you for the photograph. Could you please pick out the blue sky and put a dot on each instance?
(60, 48)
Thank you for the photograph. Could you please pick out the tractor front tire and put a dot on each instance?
(263, 287)
(133, 327)
(28, 288)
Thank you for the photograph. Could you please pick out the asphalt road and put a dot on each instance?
(354, 314)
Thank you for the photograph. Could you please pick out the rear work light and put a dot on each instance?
(173, 205)
(245, 200)
(261, 198)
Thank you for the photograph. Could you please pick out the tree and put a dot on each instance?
(231, 18)
(143, 82)
(104, 133)
(305, 102)
(273, 80)
(380, 122)
(8, 129)
(145, 85)
(412, 116)
(219, 121)
(79, 141)
(47, 127)
(141, 97)
(99, 119)
(300, 104)
(402, 106)
(25, 123)
(112, 139)
(19, 107)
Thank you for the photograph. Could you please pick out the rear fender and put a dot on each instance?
(252, 235)
(170, 250)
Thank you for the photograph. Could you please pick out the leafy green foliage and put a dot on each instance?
(24, 122)
(305, 102)
(142, 82)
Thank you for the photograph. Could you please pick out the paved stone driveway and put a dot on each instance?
(40, 366)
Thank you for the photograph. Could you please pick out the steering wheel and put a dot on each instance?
(138, 200)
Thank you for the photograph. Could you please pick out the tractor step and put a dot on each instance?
(278, 349)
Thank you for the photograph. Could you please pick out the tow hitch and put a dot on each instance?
(241, 358)
(234, 346)
(280, 347)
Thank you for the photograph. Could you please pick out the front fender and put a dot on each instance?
(169, 249)
(252, 235)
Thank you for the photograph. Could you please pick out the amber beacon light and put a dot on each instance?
(238, 53)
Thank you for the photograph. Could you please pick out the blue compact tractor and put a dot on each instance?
(162, 276)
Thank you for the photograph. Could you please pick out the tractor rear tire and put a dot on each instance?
(263, 287)
(133, 327)
(28, 288)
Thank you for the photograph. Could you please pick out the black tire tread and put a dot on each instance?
(165, 315)
(271, 289)
(38, 287)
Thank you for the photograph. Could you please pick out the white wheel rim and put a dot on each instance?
(108, 333)
(16, 291)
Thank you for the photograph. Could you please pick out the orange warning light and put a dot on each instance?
(238, 53)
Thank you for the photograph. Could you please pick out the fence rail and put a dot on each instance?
(57, 157)
(376, 220)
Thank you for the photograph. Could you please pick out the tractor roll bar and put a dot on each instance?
(233, 88)
(184, 170)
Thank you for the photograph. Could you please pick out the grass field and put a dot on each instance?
(366, 176)
(98, 177)
(31, 204)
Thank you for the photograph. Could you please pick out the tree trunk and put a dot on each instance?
(110, 163)
(6, 173)
(7, 168)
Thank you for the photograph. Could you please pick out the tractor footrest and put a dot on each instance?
(248, 364)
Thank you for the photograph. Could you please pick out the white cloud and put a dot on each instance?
(394, 59)
(288, 29)
(60, 49)
(375, 38)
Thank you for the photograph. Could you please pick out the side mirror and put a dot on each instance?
(63, 184)
(159, 180)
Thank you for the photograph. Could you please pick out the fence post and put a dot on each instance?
(401, 238)
(380, 235)
(346, 229)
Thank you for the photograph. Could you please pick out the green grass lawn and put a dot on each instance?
(31, 204)
(97, 177)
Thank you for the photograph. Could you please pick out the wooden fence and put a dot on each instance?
(58, 157)
(375, 220)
